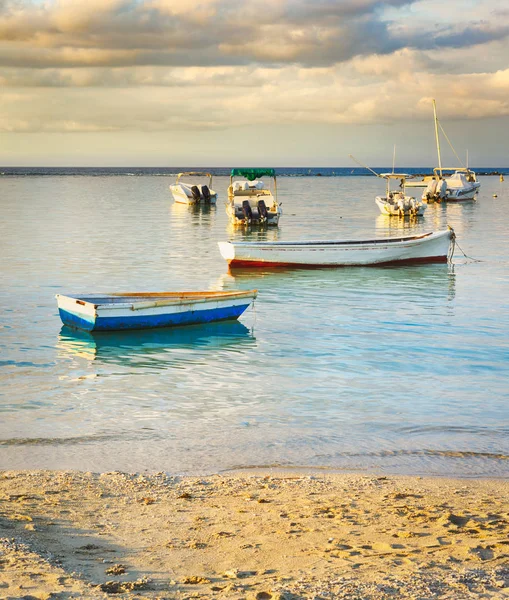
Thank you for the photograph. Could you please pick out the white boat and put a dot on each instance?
(462, 184)
(191, 193)
(146, 310)
(396, 203)
(250, 202)
(427, 247)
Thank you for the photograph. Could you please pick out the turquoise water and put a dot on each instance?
(398, 370)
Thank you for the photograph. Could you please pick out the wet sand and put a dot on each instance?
(254, 536)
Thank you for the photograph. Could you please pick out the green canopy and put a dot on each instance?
(252, 174)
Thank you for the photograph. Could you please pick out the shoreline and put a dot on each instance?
(270, 534)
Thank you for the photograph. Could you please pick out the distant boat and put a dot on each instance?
(462, 184)
(145, 310)
(397, 203)
(423, 248)
(251, 202)
(191, 193)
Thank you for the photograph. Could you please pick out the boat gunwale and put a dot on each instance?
(376, 242)
(147, 300)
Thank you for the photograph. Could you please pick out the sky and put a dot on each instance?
(252, 82)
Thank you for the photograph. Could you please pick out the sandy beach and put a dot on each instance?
(251, 535)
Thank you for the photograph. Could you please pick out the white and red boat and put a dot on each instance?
(429, 247)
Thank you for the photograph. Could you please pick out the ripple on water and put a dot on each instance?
(395, 369)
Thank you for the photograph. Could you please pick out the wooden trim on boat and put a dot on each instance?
(175, 295)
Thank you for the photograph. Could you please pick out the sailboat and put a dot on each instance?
(460, 184)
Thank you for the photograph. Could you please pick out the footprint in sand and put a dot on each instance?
(484, 553)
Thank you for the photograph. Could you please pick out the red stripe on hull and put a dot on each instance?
(235, 263)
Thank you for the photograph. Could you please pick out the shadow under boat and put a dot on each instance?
(124, 347)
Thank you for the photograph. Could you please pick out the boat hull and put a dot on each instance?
(92, 315)
(392, 210)
(181, 197)
(461, 195)
(426, 248)
(274, 213)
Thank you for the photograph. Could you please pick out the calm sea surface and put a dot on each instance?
(399, 370)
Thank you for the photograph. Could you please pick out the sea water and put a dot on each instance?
(388, 369)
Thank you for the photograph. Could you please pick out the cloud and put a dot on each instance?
(74, 33)
(162, 65)
(195, 97)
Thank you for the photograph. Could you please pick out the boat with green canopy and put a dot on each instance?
(250, 202)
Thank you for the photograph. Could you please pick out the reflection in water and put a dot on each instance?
(395, 226)
(419, 283)
(198, 214)
(131, 347)
(258, 233)
(462, 214)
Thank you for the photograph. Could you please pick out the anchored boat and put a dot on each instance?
(462, 184)
(427, 247)
(191, 193)
(142, 310)
(396, 203)
(250, 202)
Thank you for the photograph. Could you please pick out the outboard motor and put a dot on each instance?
(441, 190)
(206, 193)
(262, 210)
(430, 193)
(246, 209)
(196, 193)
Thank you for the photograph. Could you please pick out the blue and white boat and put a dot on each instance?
(145, 310)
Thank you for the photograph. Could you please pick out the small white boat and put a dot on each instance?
(423, 248)
(250, 202)
(191, 193)
(397, 203)
(145, 310)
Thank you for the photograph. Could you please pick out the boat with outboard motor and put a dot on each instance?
(461, 185)
(191, 193)
(435, 246)
(250, 202)
(146, 310)
(397, 203)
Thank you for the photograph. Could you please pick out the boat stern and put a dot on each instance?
(76, 313)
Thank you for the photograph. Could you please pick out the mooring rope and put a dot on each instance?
(456, 245)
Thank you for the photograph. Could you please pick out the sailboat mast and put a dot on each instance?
(393, 158)
(437, 138)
